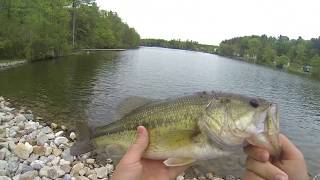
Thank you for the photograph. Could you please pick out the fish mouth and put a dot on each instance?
(267, 136)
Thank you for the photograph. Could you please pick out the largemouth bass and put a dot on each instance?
(201, 126)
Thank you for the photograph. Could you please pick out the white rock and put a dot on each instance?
(56, 152)
(3, 164)
(4, 178)
(76, 168)
(19, 117)
(90, 161)
(59, 133)
(64, 162)
(44, 171)
(31, 125)
(63, 127)
(102, 172)
(93, 176)
(51, 136)
(180, 178)
(61, 140)
(37, 164)
(56, 161)
(23, 150)
(109, 168)
(48, 151)
(72, 135)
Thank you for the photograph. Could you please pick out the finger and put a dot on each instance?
(175, 171)
(249, 175)
(137, 149)
(265, 170)
(257, 153)
(289, 150)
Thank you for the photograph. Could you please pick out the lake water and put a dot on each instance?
(90, 86)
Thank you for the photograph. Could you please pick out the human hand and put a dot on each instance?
(290, 165)
(133, 167)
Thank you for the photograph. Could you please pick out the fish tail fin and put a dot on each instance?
(84, 143)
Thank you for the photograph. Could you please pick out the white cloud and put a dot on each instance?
(211, 21)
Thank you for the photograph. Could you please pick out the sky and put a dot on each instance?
(212, 21)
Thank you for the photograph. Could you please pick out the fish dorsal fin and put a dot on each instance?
(131, 103)
(170, 162)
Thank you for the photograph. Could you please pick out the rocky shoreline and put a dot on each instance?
(4, 65)
(31, 150)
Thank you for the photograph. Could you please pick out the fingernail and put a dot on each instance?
(140, 130)
(281, 177)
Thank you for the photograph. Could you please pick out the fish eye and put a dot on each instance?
(254, 103)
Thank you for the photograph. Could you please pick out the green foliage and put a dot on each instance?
(281, 52)
(39, 29)
(178, 44)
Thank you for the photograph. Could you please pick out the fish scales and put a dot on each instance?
(181, 130)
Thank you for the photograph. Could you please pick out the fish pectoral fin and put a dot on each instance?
(178, 161)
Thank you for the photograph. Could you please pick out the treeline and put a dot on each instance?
(297, 55)
(38, 29)
(178, 44)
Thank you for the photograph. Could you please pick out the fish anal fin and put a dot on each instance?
(129, 104)
(171, 162)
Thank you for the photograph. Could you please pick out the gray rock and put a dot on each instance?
(33, 157)
(3, 164)
(4, 178)
(67, 177)
(20, 118)
(2, 155)
(66, 155)
(44, 159)
(66, 168)
(42, 138)
(37, 164)
(26, 168)
(29, 116)
(31, 126)
(23, 150)
(30, 175)
(46, 130)
(102, 172)
(13, 163)
(55, 172)
(4, 172)
(61, 140)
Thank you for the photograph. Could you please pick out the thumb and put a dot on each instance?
(137, 149)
